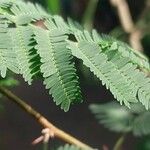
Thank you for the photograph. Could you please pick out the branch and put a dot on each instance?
(43, 121)
(128, 24)
(118, 145)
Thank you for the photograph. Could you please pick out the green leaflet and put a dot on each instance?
(27, 12)
(141, 124)
(57, 67)
(122, 119)
(7, 55)
(20, 12)
(98, 63)
(27, 58)
(113, 116)
(126, 82)
(139, 82)
(110, 44)
(57, 21)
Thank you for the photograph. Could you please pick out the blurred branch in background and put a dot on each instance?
(144, 19)
(89, 14)
(135, 34)
(119, 143)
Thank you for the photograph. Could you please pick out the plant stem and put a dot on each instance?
(88, 16)
(118, 145)
(43, 121)
(45, 146)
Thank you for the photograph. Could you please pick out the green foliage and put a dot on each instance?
(105, 60)
(26, 56)
(144, 143)
(54, 6)
(7, 56)
(68, 147)
(58, 70)
(35, 44)
(122, 119)
(123, 50)
(37, 51)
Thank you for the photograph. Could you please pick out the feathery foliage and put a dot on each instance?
(122, 119)
(35, 43)
(113, 45)
(38, 51)
(7, 56)
(68, 147)
(57, 68)
(118, 73)
(27, 58)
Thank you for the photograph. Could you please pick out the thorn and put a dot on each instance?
(38, 140)
(45, 137)
(47, 133)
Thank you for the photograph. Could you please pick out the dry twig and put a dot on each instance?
(135, 34)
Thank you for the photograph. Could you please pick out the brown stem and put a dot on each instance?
(43, 121)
